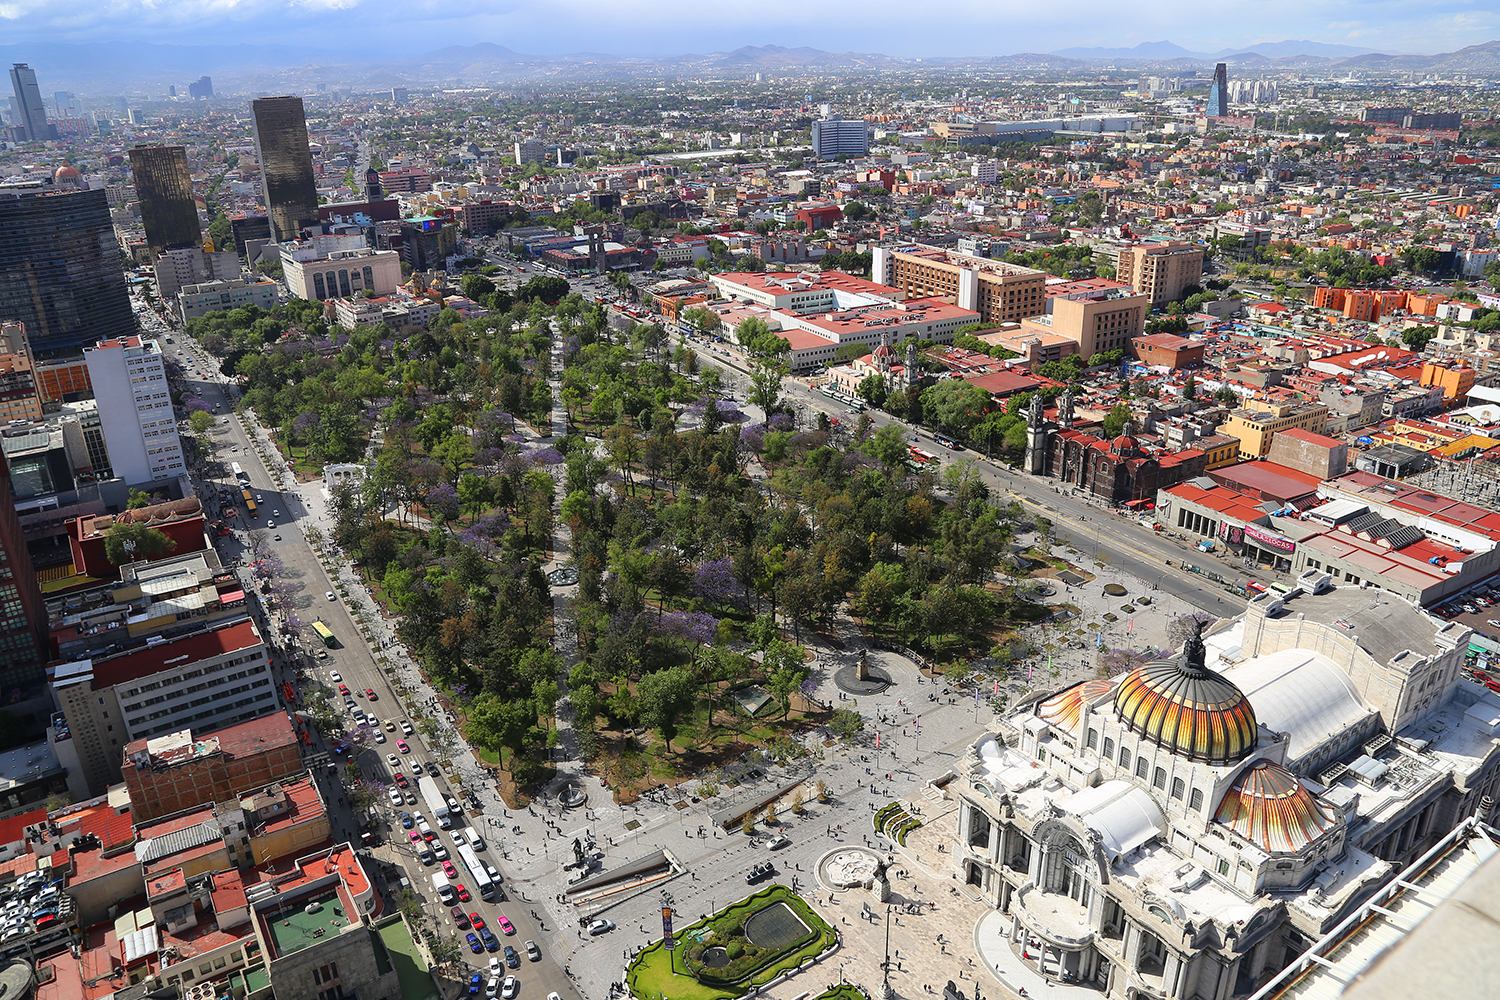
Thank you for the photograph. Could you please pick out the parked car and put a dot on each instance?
(473, 942)
(603, 925)
(506, 927)
(460, 917)
(533, 953)
(512, 957)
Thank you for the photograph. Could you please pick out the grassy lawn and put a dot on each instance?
(843, 991)
(657, 973)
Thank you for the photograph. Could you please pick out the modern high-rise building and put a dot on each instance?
(165, 189)
(201, 88)
(286, 170)
(61, 271)
(833, 138)
(23, 616)
(398, 95)
(135, 409)
(1218, 93)
(32, 113)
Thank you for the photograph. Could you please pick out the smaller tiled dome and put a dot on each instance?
(1124, 445)
(1269, 807)
(1065, 709)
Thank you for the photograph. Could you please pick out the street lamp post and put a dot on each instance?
(885, 965)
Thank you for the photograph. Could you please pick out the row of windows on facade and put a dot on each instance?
(1143, 769)
(190, 674)
(324, 290)
(266, 696)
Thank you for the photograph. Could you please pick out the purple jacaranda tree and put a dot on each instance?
(715, 581)
(696, 626)
(545, 456)
(304, 423)
(442, 500)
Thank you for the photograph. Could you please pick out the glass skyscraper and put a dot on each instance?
(1218, 93)
(285, 165)
(33, 113)
(61, 270)
(23, 617)
(165, 188)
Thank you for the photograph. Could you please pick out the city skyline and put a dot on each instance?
(674, 27)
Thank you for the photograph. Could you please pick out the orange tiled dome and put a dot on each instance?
(1065, 708)
(1183, 706)
(1269, 807)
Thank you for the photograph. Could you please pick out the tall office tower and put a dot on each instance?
(32, 113)
(1218, 93)
(285, 165)
(165, 188)
(398, 95)
(61, 270)
(23, 617)
(833, 138)
(135, 410)
(201, 88)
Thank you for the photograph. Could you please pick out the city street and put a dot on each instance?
(355, 660)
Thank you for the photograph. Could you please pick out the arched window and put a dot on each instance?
(1195, 800)
(318, 289)
(1124, 758)
(1159, 779)
(1067, 871)
(1178, 788)
(1092, 740)
(344, 288)
(1142, 768)
(369, 278)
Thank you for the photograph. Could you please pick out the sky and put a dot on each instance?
(659, 27)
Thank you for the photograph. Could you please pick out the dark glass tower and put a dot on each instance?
(1218, 93)
(60, 270)
(285, 165)
(23, 617)
(165, 188)
(29, 106)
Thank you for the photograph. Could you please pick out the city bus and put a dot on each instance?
(240, 475)
(483, 884)
(324, 633)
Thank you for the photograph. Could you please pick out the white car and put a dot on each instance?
(329, 596)
(335, 676)
(497, 965)
(395, 764)
(379, 736)
(601, 926)
(492, 988)
(510, 989)
(406, 729)
(395, 796)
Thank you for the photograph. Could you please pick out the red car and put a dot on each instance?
(460, 918)
(370, 694)
(449, 870)
(399, 779)
(506, 927)
(477, 921)
(429, 836)
(344, 689)
(463, 893)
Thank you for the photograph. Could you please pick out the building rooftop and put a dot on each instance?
(191, 648)
(260, 734)
(91, 526)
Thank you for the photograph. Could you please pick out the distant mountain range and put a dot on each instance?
(148, 67)
(1158, 51)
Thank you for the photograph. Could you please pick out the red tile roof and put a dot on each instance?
(176, 652)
